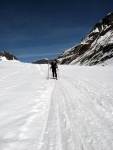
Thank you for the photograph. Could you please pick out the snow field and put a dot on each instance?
(74, 112)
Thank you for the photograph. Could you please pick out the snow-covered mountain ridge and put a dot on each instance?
(5, 56)
(41, 61)
(95, 48)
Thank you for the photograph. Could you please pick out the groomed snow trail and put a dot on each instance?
(74, 112)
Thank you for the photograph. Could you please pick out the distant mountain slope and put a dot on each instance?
(7, 56)
(41, 61)
(95, 48)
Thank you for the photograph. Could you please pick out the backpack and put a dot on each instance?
(53, 64)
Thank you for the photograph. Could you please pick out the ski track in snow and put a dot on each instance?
(74, 112)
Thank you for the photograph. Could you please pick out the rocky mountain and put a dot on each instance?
(95, 48)
(7, 56)
(41, 61)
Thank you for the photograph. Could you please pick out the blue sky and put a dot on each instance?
(36, 29)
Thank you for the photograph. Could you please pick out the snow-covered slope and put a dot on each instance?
(95, 48)
(74, 112)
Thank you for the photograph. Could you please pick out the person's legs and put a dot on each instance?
(55, 73)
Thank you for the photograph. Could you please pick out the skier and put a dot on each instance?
(54, 67)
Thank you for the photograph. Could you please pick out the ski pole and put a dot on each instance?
(48, 69)
(58, 73)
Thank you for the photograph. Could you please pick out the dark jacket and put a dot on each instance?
(54, 65)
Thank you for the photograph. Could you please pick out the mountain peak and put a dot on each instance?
(7, 56)
(95, 48)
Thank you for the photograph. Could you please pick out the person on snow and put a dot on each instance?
(54, 67)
